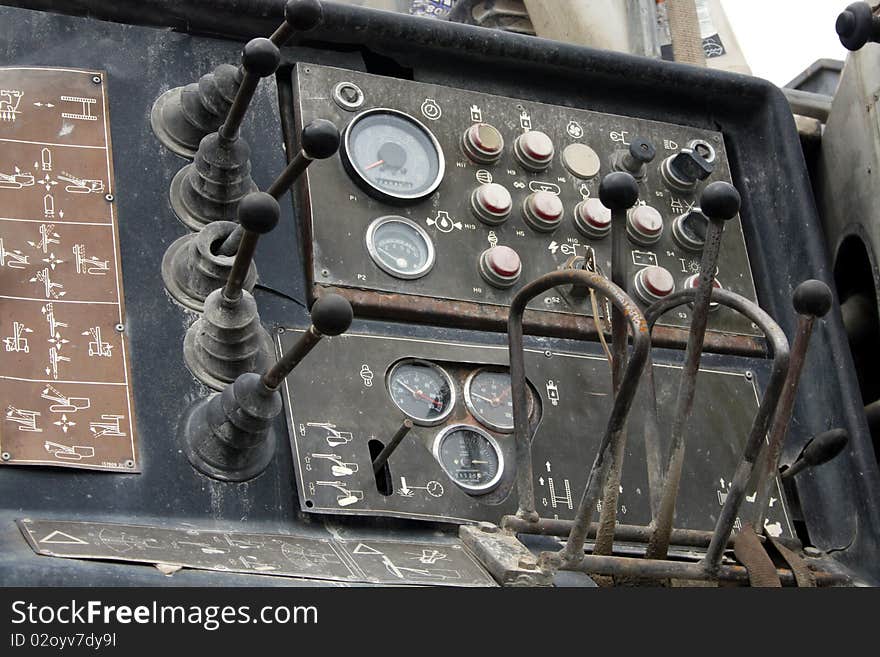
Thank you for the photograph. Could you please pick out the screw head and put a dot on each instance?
(6, 456)
(119, 327)
(109, 198)
(96, 79)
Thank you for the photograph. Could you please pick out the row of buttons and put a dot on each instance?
(500, 266)
(543, 211)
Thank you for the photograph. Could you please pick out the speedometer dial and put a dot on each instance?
(422, 390)
(470, 457)
(392, 156)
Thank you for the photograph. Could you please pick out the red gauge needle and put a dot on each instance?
(374, 165)
(419, 393)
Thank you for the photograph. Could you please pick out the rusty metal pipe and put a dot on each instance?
(719, 203)
(641, 346)
(811, 300)
(780, 352)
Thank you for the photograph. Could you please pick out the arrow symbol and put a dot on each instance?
(541, 480)
(431, 222)
(457, 224)
(548, 466)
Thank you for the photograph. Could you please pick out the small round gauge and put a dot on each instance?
(422, 390)
(470, 457)
(392, 156)
(400, 247)
(487, 395)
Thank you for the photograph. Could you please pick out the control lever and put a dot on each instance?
(856, 26)
(320, 140)
(719, 202)
(211, 187)
(182, 116)
(618, 192)
(819, 450)
(194, 265)
(229, 339)
(634, 160)
(388, 450)
(227, 435)
(811, 300)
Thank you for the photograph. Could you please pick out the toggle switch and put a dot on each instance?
(482, 143)
(543, 211)
(534, 150)
(491, 203)
(694, 163)
(635, 159)
(500, 266)
(653, 284)
(689, 230)
(644, 225)
(592, 219)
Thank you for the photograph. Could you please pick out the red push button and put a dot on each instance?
(534, 150)
(483, 143)
(543, 211)
(644, 225)
(592, 218)
(692, 281)
(653, 284)
(500, 266)
(491, 203)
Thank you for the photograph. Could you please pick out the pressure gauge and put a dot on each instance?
(470, 457)
(488, 396)
(392, 156)
(400, 247)
(422, 390)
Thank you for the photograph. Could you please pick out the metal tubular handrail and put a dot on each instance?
(622, 400)
(779, 349)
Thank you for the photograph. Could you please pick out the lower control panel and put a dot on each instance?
(443, 203)
(457, 463)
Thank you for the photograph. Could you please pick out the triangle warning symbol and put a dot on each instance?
(60, 538)
(365, 549)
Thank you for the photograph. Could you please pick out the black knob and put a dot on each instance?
(332, 315)
(812, 297)
(618, 191)
(856, 26)
(258, 212)
(825, 447)
(642, 151)
(720, 200)
(320, 139)
(303, 15)
(260, 57)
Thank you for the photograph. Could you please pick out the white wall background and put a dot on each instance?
(780, 38)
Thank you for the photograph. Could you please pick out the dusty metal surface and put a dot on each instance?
(314, 557)
(64, 377)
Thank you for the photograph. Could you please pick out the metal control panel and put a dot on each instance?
(443, 203)
(457, 464)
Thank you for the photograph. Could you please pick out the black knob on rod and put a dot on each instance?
(635, 159)
(811, 300)
(258, 213)
(331, 315)
(299, 16)
(260, 58)
(856, 25)
(821, 449)
(228, 436)
(320, 140)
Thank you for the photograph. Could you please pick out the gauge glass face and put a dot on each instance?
(422, 390)
(400, 247)
(470, 457)
(393, 156)
(487, 394)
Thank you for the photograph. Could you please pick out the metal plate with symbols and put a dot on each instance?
(64, 372)
(340, 402)
(364, 559)
(453, 291)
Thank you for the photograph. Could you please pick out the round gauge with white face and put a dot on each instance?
(392, 156)
(422, 390)
(470, 457)
(400, 247)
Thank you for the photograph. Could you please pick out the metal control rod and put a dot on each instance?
(331, 315)
(719, 203)
(622, 400)
(388, 450)
(320, 140)
(258, 213)
(259, 59)
(780, 352)
(811, 300)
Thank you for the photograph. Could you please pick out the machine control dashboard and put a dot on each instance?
(443, 203)
(458, 462)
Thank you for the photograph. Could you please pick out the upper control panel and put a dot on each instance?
(456, 199)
